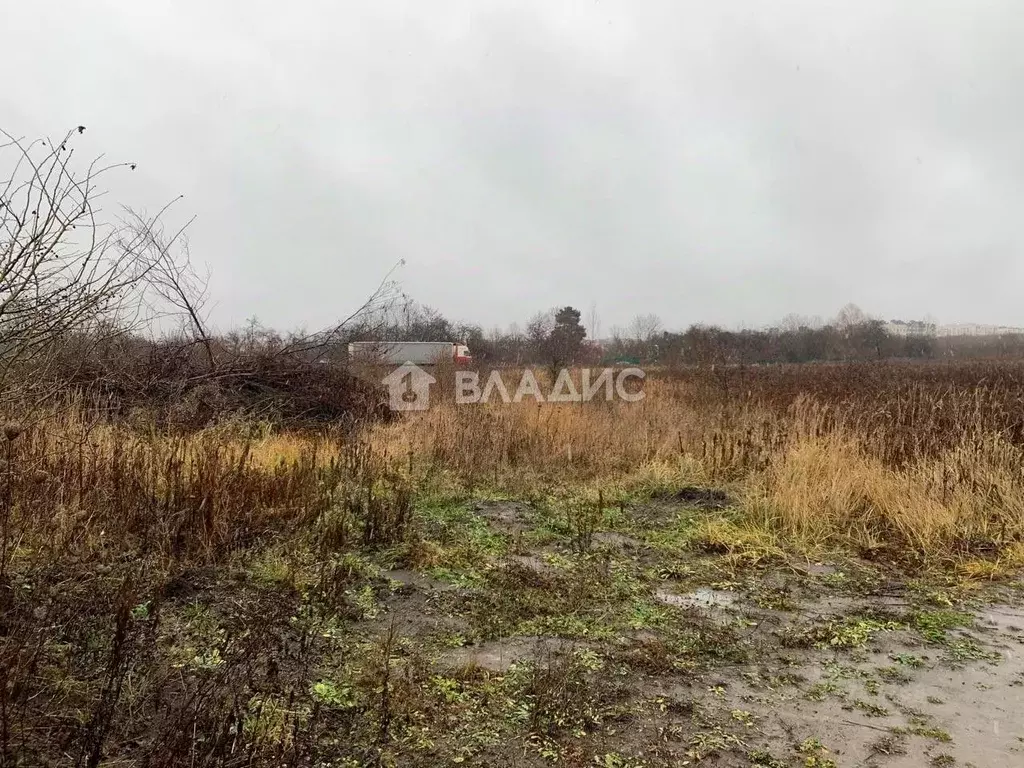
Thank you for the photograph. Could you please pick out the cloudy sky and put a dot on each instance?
(726, 161)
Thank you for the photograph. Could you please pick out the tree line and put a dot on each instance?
(560, 336)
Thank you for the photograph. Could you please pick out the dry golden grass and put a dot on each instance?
(667, 433)
(831, 491)
(74, 484)
(928, 471)
(879, 469)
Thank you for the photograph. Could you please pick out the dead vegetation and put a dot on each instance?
(921, 460)
(221, 596)
(218, 551)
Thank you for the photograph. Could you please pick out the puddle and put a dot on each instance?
(499, 655)
(509, 517)
(1005, 619)
(616, 540)
(699, 598)
(821, 569)
(535, 564)
(414, 580)
(954, 711)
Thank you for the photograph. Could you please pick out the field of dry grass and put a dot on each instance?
(922, 460)
(228, 596)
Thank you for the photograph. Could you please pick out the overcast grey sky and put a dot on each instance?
(717, 161)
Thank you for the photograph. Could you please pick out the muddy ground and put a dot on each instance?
(544, 632)
(627, 641)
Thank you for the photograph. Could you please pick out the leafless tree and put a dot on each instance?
(373, 314)
(65, 268)
(793, 322)
(539, 327)
(172, 286)
(594, 323)
(849, 317)
(644, 328)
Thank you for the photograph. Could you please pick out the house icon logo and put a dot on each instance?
(408, 388)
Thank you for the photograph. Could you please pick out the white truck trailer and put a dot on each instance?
(400, 352)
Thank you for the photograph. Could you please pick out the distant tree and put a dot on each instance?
(919, 345)
(423, 323)
(535, 341)
(792, 323)
(707, 345)
(850, 316)
(645, 328)
(594, 323)
(513, 345)
(539, 327)
(646, 332)
(868, 339)
(566, 337)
